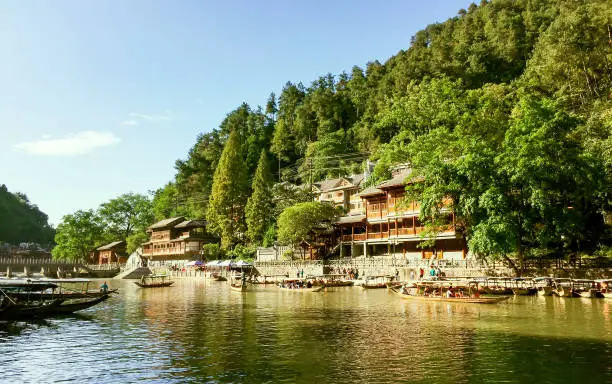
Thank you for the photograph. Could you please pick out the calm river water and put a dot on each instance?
(199, 331)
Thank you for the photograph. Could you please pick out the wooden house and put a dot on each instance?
(342, 192)
(114, 252)
(175, 239)
(390, 224)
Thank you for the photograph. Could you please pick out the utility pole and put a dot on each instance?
(310, 168)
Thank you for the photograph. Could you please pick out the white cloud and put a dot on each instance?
(149, 117)
(129, 123)
(71, 145)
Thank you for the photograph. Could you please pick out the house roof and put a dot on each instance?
(110, 245)
(351, 219)
(333, 184)
(171, 222)
(191, 224)
(371, 191)
(396, 181)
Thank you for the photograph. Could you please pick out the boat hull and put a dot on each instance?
(154, 285)
(313, 289)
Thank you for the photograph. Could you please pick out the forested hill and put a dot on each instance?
(506, 107)
(22, 221)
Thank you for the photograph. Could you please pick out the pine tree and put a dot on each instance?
(259, 206)
(225, 212)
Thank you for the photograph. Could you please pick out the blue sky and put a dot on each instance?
(99, 98)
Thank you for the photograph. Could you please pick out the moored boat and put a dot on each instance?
(154, 281)
(238, 287)
(605, 287)
(444, 292)
(39, 299)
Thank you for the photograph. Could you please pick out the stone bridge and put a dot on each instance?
(11, 266)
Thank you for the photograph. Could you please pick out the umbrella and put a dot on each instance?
(190, 263)
(225, 263)
(213, 263)
(198, 262)
(242, 263)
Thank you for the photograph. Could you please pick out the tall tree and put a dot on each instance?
(126, 214)
(77, 235)
(225, 212)
(259, 207)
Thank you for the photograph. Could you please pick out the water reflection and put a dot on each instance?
(200, 331)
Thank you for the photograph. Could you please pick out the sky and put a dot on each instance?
(101, 97)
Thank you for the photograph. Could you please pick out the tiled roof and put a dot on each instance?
(110, 246)
(350, 219)
(191, 224)
(398, 180)
(171, 222)
(371, 191)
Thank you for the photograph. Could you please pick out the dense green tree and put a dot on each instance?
(297, 222)
(126, 214)
(259, 205)
(225, 212)
(22, 221)
(77, 235)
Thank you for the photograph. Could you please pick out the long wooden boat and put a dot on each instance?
(304, 289)
(154, 284)
(374, 285)
(154, 281)
(39, 309)
(472, 300)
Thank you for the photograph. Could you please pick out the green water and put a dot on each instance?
(200, 331)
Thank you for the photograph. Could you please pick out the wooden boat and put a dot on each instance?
(523, 286)
(605, 287)
(443, 298)
(393, 284)
(218, 277)
(318, 288)
(588, 289)
(239, 287)
(154, 281)
(29, 299)
(377, 282)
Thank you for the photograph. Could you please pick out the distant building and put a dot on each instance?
(175, 239)
(390, 224)
(114, 252)
(342, 192)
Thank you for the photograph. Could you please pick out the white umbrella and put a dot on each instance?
(190, 263)
(213, 263)
(242, 263)
(225, 263)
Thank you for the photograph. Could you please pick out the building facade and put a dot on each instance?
(175, 239)
(114, 252)
(389, 224)
(342, 192)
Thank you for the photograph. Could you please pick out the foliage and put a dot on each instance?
(135, 240)
(126, 214)
(242, 252)
(78, 235)
(213, 251)
(259, 205)
(22, 221)
(225, 212)
(288, 254)
(269, 236)
(297, 222)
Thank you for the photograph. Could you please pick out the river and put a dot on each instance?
(202, 332)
